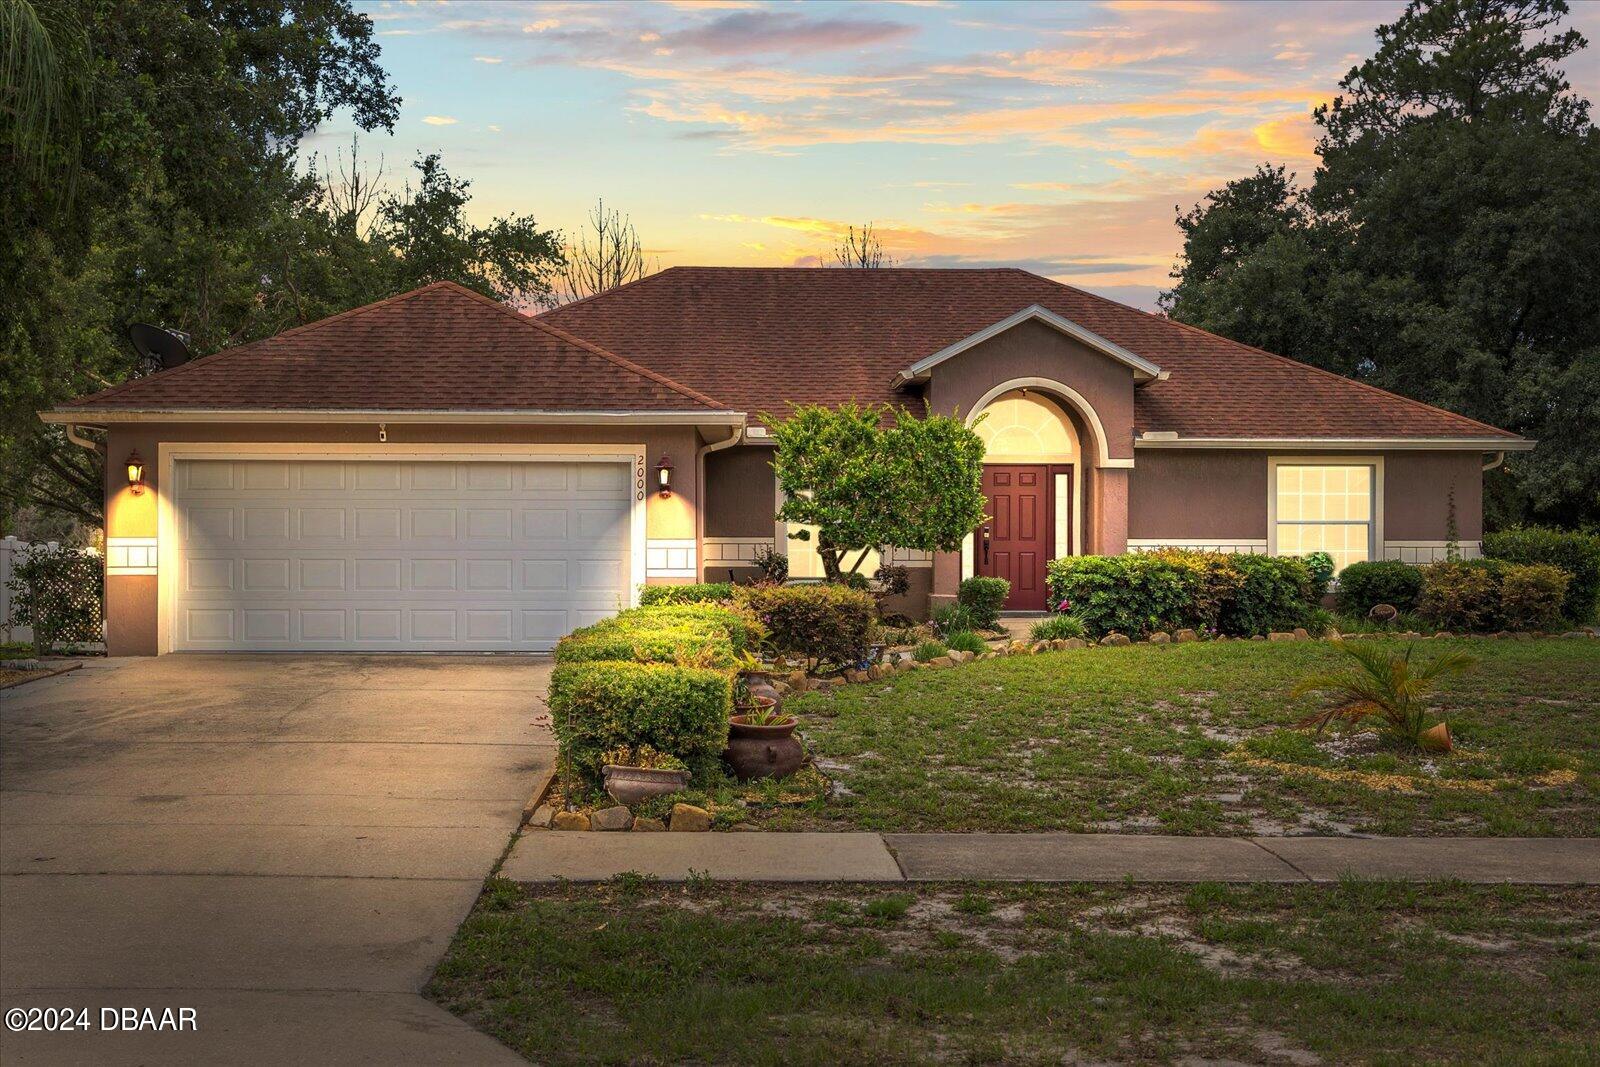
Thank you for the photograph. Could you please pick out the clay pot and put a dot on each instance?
(1436, 738)
(763, 751)
(630, 785)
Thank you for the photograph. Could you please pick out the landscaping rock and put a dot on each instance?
(1302, 634)
(1183, 637)
(1039, 646)
(1159, 638)
(941, 661)
(690, 819)
(856, 677)
(570, 820)
(1280, 635)
(1443, 634)
(1523, 635)
(616, 817)
(1574, 633)
(1257, 637)
(905, 664)
(798, 681)
(540, 819)
(1070, 643)
(1116, 639)
(958, 656)
(644, 825)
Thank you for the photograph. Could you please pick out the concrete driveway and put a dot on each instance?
(283, 843)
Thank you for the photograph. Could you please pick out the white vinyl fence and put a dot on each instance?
(13, 551)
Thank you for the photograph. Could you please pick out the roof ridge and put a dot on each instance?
(534, 322)
(605, 292)
(1324, 372)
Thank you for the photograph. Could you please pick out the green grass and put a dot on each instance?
(1354, 973)
(1156, 738)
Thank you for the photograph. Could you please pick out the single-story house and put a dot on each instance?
(439, 472)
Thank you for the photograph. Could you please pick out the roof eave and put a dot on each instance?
(104, 416)
(1143, 369)
(1326, 444)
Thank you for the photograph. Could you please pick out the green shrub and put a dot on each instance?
(59, 593)
(1576, 553)
(1380, 581)
(651, 595)
(696, 635)
(1133, 594)
(1532, 595)
(1241, 595)
(1460, 595)
(831, 624)
(679, 711)
(1321, 566)
(966, 641)
(930, 650)
(983, 598)
(1275, 594)
(1058, 628)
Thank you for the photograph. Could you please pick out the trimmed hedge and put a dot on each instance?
(831, 624)
(654, 595)
(1489, 594)
(1140, 593)
(680, 711)
(1379, 581)
(1576, 553)
(983, 598)
(695, 635)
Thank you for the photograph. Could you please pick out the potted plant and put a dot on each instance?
(751, 695)
(635, 773)
(761, 741)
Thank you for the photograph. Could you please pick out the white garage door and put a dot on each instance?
(403, 556)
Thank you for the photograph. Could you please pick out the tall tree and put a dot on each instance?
(606, 254)
(1444, 248)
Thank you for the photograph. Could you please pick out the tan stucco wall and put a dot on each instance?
(1222, 495)
(1198, 495)
(740, 492)
(1416, 495)
(131, 600)
(1033, 350)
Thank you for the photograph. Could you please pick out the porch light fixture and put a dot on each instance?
(664, 476)
(135, 473)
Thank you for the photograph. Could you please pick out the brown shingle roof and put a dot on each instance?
(763, 338)
(441, 347)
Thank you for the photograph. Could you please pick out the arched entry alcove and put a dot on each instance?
(1034, 465)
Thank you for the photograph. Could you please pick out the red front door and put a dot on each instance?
(1016, 542)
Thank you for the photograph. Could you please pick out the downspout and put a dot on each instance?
(84, 442)
(1499, 458)
(700, 489)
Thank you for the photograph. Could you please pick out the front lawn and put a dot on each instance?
(1199, 739)
(1356, 973)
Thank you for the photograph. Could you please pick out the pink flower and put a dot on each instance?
(1064, 606)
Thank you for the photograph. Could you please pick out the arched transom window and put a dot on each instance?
(1021, 427)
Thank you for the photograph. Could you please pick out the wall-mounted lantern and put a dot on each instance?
(135, 473)
(664, 476)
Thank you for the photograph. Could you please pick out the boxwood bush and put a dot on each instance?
(1576, 553)
(698, 635)
(599, 706)
(983, 598)
(1137, 594)
(1488, 594)
(652, 595)
(1379, 581)
(831, 624)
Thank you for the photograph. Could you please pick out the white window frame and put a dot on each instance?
(1375, 539)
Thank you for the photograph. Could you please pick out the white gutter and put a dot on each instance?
(1167, 439)
(700, 490)
(1499, 458)
(100, 416)
(97, 447)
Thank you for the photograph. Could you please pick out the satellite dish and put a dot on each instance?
(170, 348)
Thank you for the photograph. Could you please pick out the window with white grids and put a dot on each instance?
(1325, 507)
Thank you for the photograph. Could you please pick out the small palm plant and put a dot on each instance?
(1387, 686)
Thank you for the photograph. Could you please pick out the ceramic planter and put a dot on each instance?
(630, 785)
(763, 751)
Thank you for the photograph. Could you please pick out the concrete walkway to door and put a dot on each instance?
(283, 843)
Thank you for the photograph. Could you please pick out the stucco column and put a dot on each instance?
(946, 580)
(1110, 511)
(132, 584)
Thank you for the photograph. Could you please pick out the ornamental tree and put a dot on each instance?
(867, 477)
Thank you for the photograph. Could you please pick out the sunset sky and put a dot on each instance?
(1056, 137)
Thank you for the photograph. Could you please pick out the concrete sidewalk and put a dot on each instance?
(550, 856)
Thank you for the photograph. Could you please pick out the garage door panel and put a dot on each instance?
(420, 555)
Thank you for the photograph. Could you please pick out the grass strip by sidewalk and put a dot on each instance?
(1354, 973)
